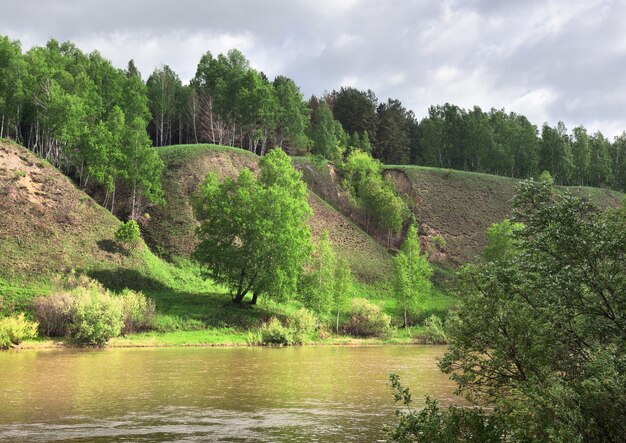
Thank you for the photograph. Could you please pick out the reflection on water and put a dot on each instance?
(211, 394)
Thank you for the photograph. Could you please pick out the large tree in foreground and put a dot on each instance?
(540, 335)
(254, 233)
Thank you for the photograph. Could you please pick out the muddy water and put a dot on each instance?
(316, 393)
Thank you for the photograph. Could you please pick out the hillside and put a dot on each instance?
(170, 231)
(455, 205)
(460, 206)
(47, 225)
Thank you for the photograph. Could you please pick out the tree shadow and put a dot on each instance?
(124, 278)
(111, 246)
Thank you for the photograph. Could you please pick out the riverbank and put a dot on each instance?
(225, 338)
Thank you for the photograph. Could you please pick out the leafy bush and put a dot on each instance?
(128, 234)
(303, 323)
(137, 311)
(435, 333)
(98, 317)
(439, 242)
(89, 314)
(55, 314)
(368, 320)
(14, 330)
(274, 333)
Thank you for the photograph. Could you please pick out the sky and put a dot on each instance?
(552, 61)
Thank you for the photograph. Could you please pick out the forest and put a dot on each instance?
(98, 123)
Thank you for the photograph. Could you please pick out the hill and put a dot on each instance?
(459, 206)
(47, 225)
(170, 231)
(455, 206)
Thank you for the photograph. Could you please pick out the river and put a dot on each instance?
(311, 393)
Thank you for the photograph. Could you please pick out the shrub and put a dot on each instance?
(303, 323)
(98, 317)
(55, 314)
(274, 333)
(253, 337)
(435, 333)
(128, 234)
(87, 314)
(439, 242)
(137, 311)
(14, 330)
(368, 320)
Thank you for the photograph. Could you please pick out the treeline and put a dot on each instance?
(493, 142)
(227, 103)
(82, 114)
(96, 122)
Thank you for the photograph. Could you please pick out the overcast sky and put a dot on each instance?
(549, 60)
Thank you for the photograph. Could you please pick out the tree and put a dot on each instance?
(323, 132)
(12, 73)
(319, 292)
(539, 335)
(292, 120)
(355, 110)
(164, 87)
(344, 285)
(555, 154)
(253, 233)
(376, 197)
(392, 132)
(600, 166)
(582, 155)
(412, 274)
(501, 243)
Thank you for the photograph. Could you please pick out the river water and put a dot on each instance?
(311, 393)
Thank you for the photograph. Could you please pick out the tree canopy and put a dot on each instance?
(541, 330)
(254, 235)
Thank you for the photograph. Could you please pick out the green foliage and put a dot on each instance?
(324, 133)
(292, 114)
(303, 323)
(412, 274)
(88, 314)
(439, 241)
(434, 331)
(128, 234)
(254, 235)
(274, 333)
(368, 320)
(374, 195)
(97, 317)
(299, 330)
(318, 288)
(430, 424)
(15, 329)
(344, 289)
(501, 243)
(137, 311)
(540, 336)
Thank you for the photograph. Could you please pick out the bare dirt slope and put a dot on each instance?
(47, 225)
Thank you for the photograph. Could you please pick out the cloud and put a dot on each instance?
(548, 59)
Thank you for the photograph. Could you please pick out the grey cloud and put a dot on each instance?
(551, 60)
